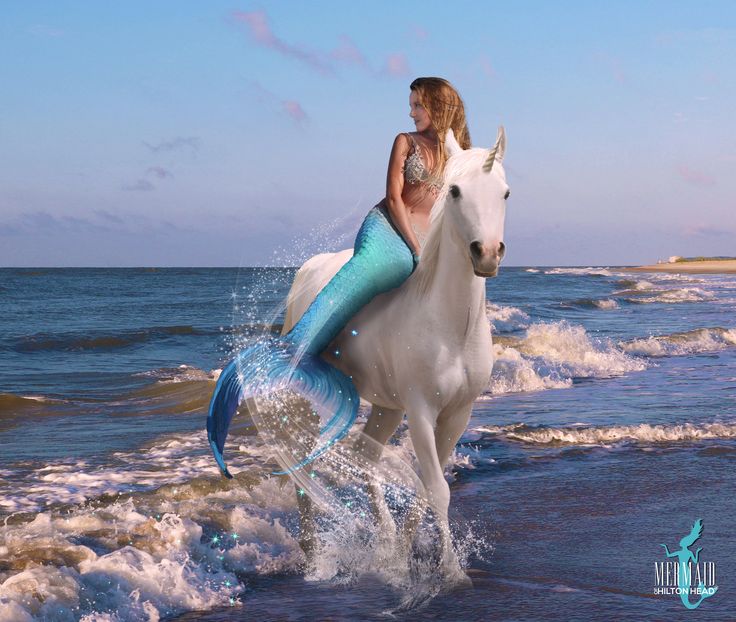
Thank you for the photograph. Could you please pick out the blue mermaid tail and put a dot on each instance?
(381, 261)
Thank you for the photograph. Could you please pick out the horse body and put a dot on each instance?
(424, 349)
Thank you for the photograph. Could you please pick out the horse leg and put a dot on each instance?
(436, 489)
(451, 424)
(296, 427)
(380, 427)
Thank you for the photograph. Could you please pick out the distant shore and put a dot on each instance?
(723, 266)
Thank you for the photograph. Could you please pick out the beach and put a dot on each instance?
(724, 266)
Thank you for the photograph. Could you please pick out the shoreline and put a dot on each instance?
(722, 266)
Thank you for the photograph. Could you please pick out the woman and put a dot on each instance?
(386, 252)
(388, 245)
(419, 158)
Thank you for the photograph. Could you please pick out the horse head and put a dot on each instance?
(475, 203)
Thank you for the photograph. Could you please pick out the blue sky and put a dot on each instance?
(229, 134)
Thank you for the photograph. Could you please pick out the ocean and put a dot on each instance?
(607, 429)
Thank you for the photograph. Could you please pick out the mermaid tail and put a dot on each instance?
(381, 261)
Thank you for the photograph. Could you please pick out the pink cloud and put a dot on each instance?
(397, 65)
(486, 66)
(613, 65)
(419, 33)
(294, 110)
(290, 106)
(692, 176)
(260, 30)
(348, 52)
(706, 230)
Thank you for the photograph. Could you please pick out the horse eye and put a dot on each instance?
(454, 191)
(507, 195)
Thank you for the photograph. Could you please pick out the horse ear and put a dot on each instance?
(451, 145)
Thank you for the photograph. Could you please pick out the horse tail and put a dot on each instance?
(273, 364)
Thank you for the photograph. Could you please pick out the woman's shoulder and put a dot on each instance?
(404, 142)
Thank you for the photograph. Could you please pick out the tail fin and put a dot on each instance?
(273, 364)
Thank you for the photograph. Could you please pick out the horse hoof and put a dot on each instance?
(456, 579)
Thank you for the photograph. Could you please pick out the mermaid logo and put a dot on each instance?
(676, 577)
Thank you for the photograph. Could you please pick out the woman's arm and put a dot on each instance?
(394, 188)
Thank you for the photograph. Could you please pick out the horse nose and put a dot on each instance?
(480, 250)
(477, 249)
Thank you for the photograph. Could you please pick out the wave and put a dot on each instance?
(180, 390)
(13, 407)
(683, 343)
(589, 271)
(607, 435)
(645, 292)
(187, 545)
(182, 373)
(506, 318)
(551, 354)
(606, 303)
(74, 342)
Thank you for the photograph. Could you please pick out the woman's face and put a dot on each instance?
(418, 113)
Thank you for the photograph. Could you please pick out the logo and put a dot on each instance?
(677, 577)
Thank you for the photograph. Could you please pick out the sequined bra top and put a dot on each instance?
(416, 173)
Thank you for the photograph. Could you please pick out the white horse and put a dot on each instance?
(425, 348)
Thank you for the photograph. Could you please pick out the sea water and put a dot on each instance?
(607, 428)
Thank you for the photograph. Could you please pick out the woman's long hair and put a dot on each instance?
(446, 110)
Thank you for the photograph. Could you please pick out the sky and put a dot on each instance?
(241, 134)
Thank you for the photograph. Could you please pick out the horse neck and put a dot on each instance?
(454, 288)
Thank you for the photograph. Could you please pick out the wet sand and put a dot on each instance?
(725, 266)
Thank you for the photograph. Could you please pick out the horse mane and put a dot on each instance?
(468, 161)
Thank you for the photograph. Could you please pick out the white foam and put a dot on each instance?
(183, 373)
(608, 303)
(169, 460)
(581, 271)
(663, 295)
(506, 318)
(571, 350)
(551, 354)
(679, 344)
(604, 435)
(513, 373)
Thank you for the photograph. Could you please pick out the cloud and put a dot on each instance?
(694, 177)
(44, 30)
(141, 185)
(43, 223)
(324, 62)
(348, 52)
(159, 171)
(702, 230)
(613, 65)
(486, 67)
(260, 30)
(175, 144)
(419, 33)
(290, 106)
(109, 216)
(294, 110)
(396, 65)
(697, 36)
